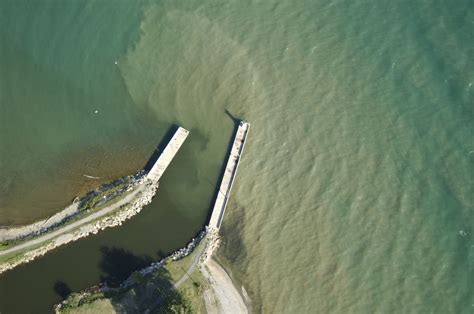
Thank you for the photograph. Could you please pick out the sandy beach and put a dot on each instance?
(222, 296)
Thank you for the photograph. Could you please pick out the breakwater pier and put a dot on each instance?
(40, 241)
(202, 252)
(230, 172)
(167, 154)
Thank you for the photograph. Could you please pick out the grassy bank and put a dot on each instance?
(87, 205)
(16, 256)
(154, 291)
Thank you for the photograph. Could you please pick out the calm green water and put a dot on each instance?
(355, 191)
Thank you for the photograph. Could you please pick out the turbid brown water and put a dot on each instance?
(355, 190)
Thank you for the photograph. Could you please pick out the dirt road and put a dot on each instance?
(48, 236)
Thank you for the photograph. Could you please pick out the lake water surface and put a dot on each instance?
(355, 190)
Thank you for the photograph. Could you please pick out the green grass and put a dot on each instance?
(90, 200)
(146, 290)
(93, 302)
(76, 299)
(103, 306)
(87, 207)
(4, 245)
(176, 268)
(13, 257)
(11, 243)
(192, 290)
(19, 254)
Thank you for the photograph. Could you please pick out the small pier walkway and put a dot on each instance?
(167, 155)
(229, 176)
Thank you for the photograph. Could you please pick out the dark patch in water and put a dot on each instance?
(161, 146)
(117, 264)
(62, 289)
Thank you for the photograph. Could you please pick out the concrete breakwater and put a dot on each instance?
(45, 225)
(228, 178)
(210, 235)
(112, 215)
(12, 233)
(168, 154)
(81, 206)
(188, 249)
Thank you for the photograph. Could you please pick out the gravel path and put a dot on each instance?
(11, 233)
(182, 280)
(69, 227)
(191, 267)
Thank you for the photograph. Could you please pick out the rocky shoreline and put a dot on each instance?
(185, 251)
(76, 209)
(13, 233)
(221, 296)
(147, 271)
(116, 219)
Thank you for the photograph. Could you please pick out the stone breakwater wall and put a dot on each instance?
(36, 228)
(175, 256)
(212, 237)
(64, 216)
(185, 251)
(178, 254)
(232, 165)
(213, 241)
(116, 219)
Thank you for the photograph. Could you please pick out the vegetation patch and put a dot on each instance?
(20, 254)
(107, 192)
(80, 299)
(155, 291)
(91, 202)
(139, 293)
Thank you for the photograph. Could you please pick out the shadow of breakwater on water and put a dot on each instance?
(62, 289)
(123, 288)
(160, 147)
(117, 264)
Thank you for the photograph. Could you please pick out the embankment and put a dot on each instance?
(220, 295)
(80, 207)
(12, 233)
(126, 211)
